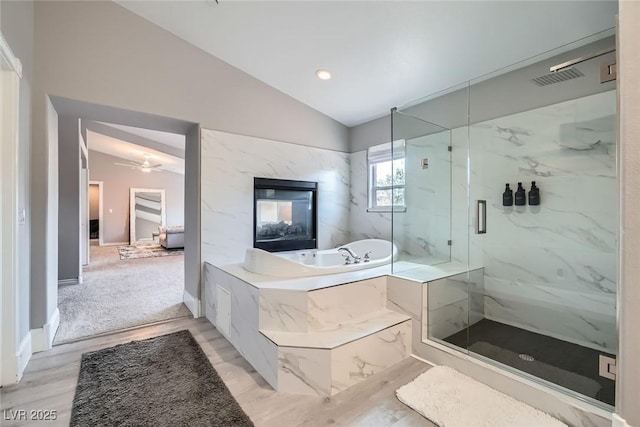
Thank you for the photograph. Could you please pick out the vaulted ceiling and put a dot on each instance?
(381, 53)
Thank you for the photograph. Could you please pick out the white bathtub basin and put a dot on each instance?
(318, 262)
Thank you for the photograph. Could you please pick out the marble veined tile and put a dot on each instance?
(283, 310)
(404, 296)
(304, 371)
(338, 334)
(232, 161)
(361, 359)
(345, 303)
(244, 334)
(363, 224)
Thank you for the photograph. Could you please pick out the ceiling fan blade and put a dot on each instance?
(156, 166)
(127, 165)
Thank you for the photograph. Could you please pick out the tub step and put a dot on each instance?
(330, 370)
(305, 311)
(339, 334)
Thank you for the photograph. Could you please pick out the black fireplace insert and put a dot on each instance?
(284, 214)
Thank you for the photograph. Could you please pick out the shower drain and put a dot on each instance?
(526, 357)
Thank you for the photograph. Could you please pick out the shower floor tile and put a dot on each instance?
(569, 365)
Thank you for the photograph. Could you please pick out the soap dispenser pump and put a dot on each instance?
(507, 197)
(534, 194)
(521, 198)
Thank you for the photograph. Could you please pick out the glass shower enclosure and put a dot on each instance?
(530, 277)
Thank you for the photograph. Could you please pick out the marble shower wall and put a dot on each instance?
(229, 164)
(550, 268)
(363, 224)
(421, 232)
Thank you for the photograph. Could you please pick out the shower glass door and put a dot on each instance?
(544, 302)
(421, 182)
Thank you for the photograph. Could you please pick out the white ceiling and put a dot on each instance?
(128, 151)
(382, 54)
(171, 139)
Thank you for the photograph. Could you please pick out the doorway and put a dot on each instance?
(95, 213)
(125, 284)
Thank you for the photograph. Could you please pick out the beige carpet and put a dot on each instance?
(119, 294)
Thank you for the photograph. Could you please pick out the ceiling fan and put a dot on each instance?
(145, 166)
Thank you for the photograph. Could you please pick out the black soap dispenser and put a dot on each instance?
(521, 198)
(507, 197)
(534, 194)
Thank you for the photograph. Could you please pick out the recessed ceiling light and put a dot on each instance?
(323, 74)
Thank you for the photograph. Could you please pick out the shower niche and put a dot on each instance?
(285, 215)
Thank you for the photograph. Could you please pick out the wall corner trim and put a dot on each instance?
(618, 421)
(192, 303)
(42, 338)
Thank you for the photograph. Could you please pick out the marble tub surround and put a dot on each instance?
(300, 310)
(360, 255)
(303, 283)
(232, 161)
(327, 371)
(243, 330)
(311, 340)
(338, 334)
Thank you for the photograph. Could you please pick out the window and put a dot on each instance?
(386, 176)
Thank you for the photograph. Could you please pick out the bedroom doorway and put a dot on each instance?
(95, 213)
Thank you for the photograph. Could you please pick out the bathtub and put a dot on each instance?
(318, 262)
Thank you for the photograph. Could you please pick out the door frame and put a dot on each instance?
(13, 357)
(100, 185)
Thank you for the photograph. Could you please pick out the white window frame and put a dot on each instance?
(380, 154)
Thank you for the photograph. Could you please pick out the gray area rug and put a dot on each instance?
(146, 250)
(162, 381)
(118, 295)
(570, 380)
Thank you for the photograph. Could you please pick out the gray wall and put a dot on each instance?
(101, 53)
(490, 97)
(192, 234)
(17, 27)
(117, 180)
(628, 382)
(68, 198)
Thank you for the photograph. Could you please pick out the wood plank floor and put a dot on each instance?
(50, 380)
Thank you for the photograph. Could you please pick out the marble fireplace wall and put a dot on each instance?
(549, 268)
(229, 164)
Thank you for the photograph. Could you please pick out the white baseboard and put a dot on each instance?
(618, 421)
(65, 282)
(115, 244)
(13, 366)
(192, 303)
(42, 338)
(24, 355)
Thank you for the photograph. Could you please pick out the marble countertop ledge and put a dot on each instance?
(412, 271)
(340, 334)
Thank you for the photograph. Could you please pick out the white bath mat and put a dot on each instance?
(451, 399)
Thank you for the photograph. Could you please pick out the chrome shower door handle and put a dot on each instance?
(481, 217)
